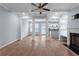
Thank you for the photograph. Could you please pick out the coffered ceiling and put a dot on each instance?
(27, 7)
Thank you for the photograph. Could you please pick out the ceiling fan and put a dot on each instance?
(40, 7)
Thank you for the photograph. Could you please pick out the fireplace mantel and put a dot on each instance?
(73, 30)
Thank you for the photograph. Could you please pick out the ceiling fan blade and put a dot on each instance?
(44, 5)
(34, 4)
(46, 9)
(39, 5)
(34, 10)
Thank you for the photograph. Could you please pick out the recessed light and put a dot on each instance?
(25, 17)
(54, 17)
(23, 13)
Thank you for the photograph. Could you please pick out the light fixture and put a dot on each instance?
(55, 17)
(23, 13)
(25, 17)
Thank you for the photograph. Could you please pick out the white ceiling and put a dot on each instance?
(27, 7)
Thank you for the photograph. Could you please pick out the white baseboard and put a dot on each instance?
(24, 37)
(8, 44)
(11, 42)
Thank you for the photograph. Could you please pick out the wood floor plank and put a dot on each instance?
(40, 46)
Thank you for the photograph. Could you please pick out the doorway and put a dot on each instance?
(38, 28)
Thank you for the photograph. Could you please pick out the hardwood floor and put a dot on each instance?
(40, 46)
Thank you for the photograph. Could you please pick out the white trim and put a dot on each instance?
(3, 6)
(8, 43)
(24, 36)
(70, 51)
(33, 28)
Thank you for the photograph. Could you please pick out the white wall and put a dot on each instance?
(73, 25)
(9, 27)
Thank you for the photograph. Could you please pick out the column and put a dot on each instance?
(59, 30)
(40, 28)
(28, 28)
(33, 28)
(46, 28)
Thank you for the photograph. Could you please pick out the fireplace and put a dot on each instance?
(74, 42)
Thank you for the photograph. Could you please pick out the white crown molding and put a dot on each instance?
(3, 6)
